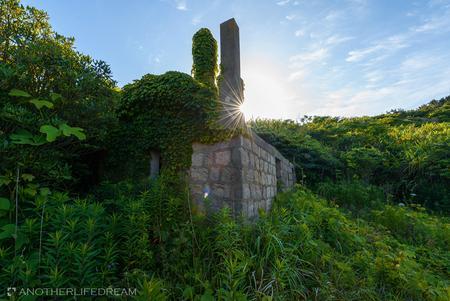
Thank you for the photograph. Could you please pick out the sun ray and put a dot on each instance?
(231, 115)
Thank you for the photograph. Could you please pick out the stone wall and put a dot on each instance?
(243, 174)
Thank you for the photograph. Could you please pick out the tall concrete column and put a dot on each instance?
(231, 90)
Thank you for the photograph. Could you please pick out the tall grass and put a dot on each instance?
(304, 249)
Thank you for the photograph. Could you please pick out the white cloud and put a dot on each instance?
(333, 15)
(181, 4)
(386, 46)
(374, 76)
(283, 2)
(418, 62)
(302, 59)
(299, 33)
(297, 75)
(358, 55)
(337, 39)
(196, 20)
(290, 17)
(435, 24)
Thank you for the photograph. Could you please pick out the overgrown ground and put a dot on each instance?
(305, 248)
(367, 221)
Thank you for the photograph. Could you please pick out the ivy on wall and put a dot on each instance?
(204, 55)
(168, 113)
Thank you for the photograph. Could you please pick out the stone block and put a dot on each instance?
(250, 209)
(223, 157)
(198, 159)
(199, 174)
(196, 189)
(210, 159)
(255, 148)
(221, 191)
(246, 192)
(214, 173)
(252, 160)
(245, 161)
(258, 192)
(272, 159)
(250, 174)
(227, 175)
(247, 144)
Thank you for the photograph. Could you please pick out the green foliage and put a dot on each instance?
(204, 55)
(405, 153)
(46, 84)
(354, 195)
(305, 248)
(357, 245)
(314, 162)
(167, 113)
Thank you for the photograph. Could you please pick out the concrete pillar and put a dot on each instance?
(231, 90)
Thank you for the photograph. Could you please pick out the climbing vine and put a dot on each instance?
(204, 54)
(167, 113)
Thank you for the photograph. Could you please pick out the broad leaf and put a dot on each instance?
(4, 204)
(55, 96)
(21, 240)
(27, 177)
(4, 180)
(44, 191)
(18, 93)
(51, 132)
(22, 137)
(25, 137)
(8, 231)
(39, 103)
(39, 140)
(68, 130)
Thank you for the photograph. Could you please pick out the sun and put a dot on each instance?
(245, 109)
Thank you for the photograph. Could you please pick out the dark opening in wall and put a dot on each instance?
(89, 169)
(155, 163)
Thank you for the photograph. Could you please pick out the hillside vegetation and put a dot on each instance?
(404, 155)
(368, 219)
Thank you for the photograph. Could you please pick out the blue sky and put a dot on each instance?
(298, 57)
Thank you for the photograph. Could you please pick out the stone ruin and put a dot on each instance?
(244, 173)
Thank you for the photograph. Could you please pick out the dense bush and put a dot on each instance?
(304, 249)
(313, 161)
(59, 116)
(166, 113)
(405, 153)
(204, 54)
(37, 60)
(353, 195)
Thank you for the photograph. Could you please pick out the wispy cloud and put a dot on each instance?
(181, 5)
(386, 47)
(297, 75)
(196, 19)
(434, 24)
(299, 32)
(337, 39)
(302, 59)
(334, 15)
(291, 17)
(283, 2)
